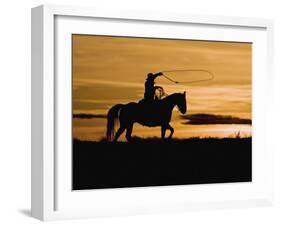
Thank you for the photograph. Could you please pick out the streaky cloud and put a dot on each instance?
(88, 116)
(205, 119)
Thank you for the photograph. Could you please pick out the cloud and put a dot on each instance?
(88, 116)
(205, 119)
(114, 83)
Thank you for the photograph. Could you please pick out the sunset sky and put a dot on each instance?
(111, 70)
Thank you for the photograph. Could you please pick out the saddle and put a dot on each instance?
(148, 103)
(149, 106)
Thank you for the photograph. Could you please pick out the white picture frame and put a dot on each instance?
(52, 197)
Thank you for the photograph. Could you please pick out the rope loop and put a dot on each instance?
(189, 82)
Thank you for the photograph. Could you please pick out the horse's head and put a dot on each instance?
(181, 103)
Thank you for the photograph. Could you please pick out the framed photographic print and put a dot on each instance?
(140, 112)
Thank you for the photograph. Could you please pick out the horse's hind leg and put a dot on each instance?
(172, 131)
(163, 132)
(129, 132)
(119, 132)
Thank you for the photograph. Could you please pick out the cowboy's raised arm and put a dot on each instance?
(158, 74)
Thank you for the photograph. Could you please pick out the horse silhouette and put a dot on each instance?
(151, 114)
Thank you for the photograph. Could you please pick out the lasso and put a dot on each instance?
(211, 77)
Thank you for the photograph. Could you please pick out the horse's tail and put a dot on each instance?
(112, 115)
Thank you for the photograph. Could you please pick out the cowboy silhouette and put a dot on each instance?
(150, 88)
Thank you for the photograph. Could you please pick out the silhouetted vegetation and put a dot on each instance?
(156, 162)
(204, 119)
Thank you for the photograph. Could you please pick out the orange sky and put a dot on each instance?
(112, 70)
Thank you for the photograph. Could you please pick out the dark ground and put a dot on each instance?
(152, 162)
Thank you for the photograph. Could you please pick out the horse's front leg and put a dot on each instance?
(172, 131)
(163, 132)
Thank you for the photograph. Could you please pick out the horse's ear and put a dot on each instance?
(184, 93)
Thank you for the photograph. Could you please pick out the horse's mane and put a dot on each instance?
(171, 95)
